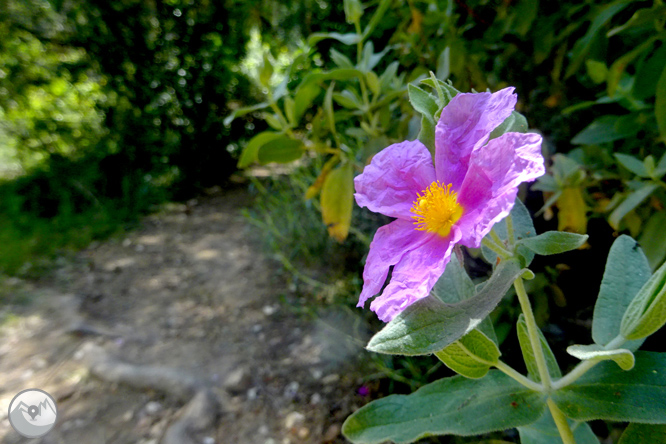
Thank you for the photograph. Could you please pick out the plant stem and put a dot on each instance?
(499, 250)
(533, 334)
(561, 422)
(498, 240)
(509, 371)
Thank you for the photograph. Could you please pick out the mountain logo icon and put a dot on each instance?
(33, 413)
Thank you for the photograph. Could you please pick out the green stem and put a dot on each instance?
(561, 422)
(499, 250)
(496, 238)
(509, 371)
(584, 366)
(509, 230)
(532, 331)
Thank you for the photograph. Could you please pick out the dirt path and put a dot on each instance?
(180, 331)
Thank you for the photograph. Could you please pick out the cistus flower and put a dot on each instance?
(472, 185)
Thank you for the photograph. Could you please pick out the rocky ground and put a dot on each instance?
(179, 332)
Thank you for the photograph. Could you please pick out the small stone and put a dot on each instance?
(127, 243)
(303, 433)
(256, 328)
(294, 419)
(291, 390)
(208, 440)
(315, 399)
(316, 374)
(330, 379)
(139, 248)
(331, 433)
(153, 407)
(252, 394)
(128, 415)
(263, 430)
(269, 441)
(269, 310)
(237, 381)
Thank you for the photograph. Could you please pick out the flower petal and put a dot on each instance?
(464, 125)
(414, 276)
(388, 246)
(389, 185)
(491, 184)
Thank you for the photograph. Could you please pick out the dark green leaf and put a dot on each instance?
(632, 164)
(643, 434)
(649, 72)
(631, 202)
(242, 111)
(282, 150)
(610, 393)
(608, 129)
(471, 356)
(376, 18)
(653, 240)
(523, 228)
(660, 105)
(429, 325)
(515, 123)
(455, 405)
(304, 97)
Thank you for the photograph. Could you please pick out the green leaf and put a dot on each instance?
(427, 133)
(249, 154)
(610, 393)
(340, 59)
(653, 240)
(631, 202)
(455, 406)
(376, 18)
(454, 286)
(347, 99)
(554, 242)
(627, 270)
(523, 228)
(242, 111)
(334, 74)
(596, 70)
(528, 353)
(304, 97)
(446, 86)
(649, 72)
(348, 39)
(647, 311)
(444, 64)
(328, 107)
(643, 434)
(544, 431)
(660, 105)
(353, 10)
(643, 18)
(515, 123)
(337, 198)
(471, 356)
(373, 82)
(422, 101)
(281, 150)
(388, 77)
(583, 45)
(618, 67)
(632, 164)
(608, 129)
(289, 110)
(429, 325)
(622, 357)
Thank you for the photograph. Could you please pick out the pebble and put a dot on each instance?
(252, 394)
(294, 419)
(153, 407)
(330, 379)
(238, 381)
(208, 440)
(263, 430)
(315, 399)
(331, 433)
(269, 310)
(291, 390)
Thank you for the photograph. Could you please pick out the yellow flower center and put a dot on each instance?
(436, 209)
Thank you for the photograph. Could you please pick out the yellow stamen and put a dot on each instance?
(436, 209)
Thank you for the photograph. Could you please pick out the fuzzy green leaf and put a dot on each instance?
(544, 431)
(523, 228)
(554, 242)
(348, 39)
(632, 201)
(429, 325)
(643, 434)
(448, 406)
(515, 123)
(249, 154)
(528, 353)
(610, 393)
(647, 311)
(627, 270)
(281, 150)
(632, 164)
(622, 357)
(471, 356)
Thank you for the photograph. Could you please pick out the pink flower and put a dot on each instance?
(472, 186)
